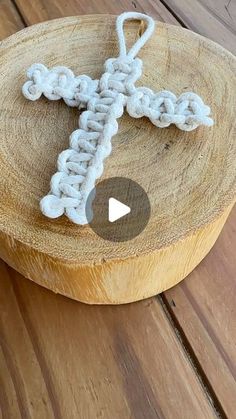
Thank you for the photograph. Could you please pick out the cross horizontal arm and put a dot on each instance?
(59, 83)
(187, 112)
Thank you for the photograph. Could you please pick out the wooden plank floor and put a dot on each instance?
(173, 356)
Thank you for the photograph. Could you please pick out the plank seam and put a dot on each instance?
(192, 358)
(176, 16)
(14, 4)
(42, 362)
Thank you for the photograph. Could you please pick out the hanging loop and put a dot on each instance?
(141, 41)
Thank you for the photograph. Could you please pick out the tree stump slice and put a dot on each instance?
(190, 177)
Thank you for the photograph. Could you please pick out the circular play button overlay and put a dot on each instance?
(119, 209)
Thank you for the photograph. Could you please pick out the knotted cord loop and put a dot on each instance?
(141, 41)
(82, 163)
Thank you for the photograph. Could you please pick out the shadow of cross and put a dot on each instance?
(104, 100)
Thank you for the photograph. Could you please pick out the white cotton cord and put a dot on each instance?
(141, 41)
(163, 109)
(58, 83)
(82, 163)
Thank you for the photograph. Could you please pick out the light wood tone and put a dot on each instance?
(203, 307)
(190, 177)
(62, 359)
(215, 19)
(205, 311)
(38, 383)
(216, 375)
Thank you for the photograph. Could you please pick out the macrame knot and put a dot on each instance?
(163, 108)
(194, 110)
(82, 163)
(84, 90)
(58, 83)
(120, 74)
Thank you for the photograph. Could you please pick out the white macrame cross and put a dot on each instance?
(82, 163)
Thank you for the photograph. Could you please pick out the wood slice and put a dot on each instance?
(190, 177)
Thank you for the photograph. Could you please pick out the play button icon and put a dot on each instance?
(119, 209)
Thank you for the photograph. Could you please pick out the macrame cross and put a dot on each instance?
(82, 163)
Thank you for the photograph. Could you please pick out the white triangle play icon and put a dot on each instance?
(117, 210)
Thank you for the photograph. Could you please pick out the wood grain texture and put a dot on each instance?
(189, 176)
(208, 320)
(36, 11)
(215, 19)
(203, 306)
(74, 361)
(216, 375)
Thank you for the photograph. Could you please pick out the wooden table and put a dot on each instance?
(172, 356)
